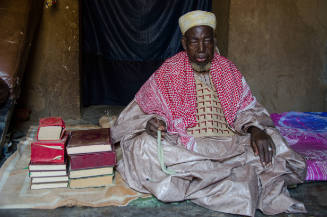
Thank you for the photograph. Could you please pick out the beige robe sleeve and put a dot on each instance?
(256, 116)
(259, 117)
(132, 120)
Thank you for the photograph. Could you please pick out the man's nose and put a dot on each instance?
(201, 46)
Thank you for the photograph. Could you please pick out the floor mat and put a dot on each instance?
(306, 133)
(15, 186)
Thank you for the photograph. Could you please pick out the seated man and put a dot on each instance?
(219, 147)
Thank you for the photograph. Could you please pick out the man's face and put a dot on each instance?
(199, 44)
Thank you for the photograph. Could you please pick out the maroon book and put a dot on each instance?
(89, 141)
(92, 160)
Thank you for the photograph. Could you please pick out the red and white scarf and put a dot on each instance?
(171, 93)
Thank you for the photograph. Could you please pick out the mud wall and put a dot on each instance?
(51, 82)
(281, 48)
(221, 9)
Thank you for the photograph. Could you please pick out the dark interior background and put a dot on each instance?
(124, 42)
(279, 46)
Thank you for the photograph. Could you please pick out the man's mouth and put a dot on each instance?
(201, 59)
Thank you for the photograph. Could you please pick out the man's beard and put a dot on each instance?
(201, 67)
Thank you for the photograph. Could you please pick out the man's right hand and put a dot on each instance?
(154, 125)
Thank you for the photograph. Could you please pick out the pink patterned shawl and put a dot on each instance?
(171, 93)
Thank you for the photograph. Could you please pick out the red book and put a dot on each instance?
(92, 160)
(51, 121)
(48, 151)
(51, 128)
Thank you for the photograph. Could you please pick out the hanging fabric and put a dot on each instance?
(124, 42)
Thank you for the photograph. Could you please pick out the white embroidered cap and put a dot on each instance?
(196, 18)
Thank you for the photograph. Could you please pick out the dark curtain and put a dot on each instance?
(125, 41)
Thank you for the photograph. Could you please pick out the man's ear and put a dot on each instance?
(184, 42)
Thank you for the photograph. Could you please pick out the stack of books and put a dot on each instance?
(91, 158)
(47, 167)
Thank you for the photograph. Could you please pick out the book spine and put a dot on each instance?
(86, 161)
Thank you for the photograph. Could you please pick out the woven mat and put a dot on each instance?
(15, 186)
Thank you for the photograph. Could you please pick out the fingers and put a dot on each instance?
(273, 147)
(153, 125)
(254, 147)
(263, 146)
(151, 130)
(158, 124)
(261, 153)
(266, 152)
(270, 154)
(272, 150)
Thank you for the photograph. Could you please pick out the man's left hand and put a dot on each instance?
(262, 145)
